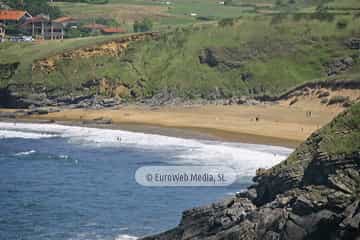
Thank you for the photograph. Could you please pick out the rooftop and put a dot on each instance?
(37, 19)
(64, 19)
(112, 30)
(12, 15)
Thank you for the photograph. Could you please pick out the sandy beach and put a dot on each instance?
(275, 124)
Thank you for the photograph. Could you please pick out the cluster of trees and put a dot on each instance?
(84, 1)
(143, 26)
(34, 7)
(227, 22)
(228, 2)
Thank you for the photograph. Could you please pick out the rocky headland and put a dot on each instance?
(314, 194)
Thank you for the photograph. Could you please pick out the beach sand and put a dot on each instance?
(273, 124)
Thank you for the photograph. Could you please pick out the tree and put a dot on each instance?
(34, 7)
(226, 22)
(228, 2)
(342, 24)
(143, 26)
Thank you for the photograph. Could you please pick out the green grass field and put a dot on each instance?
(125, 12)
(184, 12)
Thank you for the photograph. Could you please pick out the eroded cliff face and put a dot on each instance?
(314, 194)
(113, 48)
(97, 92)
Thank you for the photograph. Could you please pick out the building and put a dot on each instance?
(13, 16)
(103, 29)
(2, 32)
(112, 30)
(41, 27)
(67, 22)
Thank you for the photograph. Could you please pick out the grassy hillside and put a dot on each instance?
(254, 55)
(27, 53)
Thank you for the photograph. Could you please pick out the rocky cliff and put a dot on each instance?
(314, 194)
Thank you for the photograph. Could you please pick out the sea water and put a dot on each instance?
(66, 182)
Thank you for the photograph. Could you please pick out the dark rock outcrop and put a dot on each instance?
(339, 65)
(300, 89)
(7, 70)
(353, 43)
(223, 58)
(314, 194)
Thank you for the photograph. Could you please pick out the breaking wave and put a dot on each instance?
(125, 237)
(244, 157)
(25, 153)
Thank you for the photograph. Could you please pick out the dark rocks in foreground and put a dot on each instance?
(314, 194)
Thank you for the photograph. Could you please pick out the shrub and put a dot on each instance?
(143, 26)
(347, 104)
(342, 24)
(228, 2)
(356, 15)
(324, 101)
(34, 7)
(278, 18)
(107, 21)
(322, 14)
(324, 94)
(226, 22)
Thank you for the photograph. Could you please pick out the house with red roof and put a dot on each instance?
(67, 22)
(41, 27)
(103, 29)
(112, 30)
(13, 16)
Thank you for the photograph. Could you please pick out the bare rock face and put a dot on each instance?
(314, 194)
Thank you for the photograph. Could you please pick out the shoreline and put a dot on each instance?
(265, 124)
(180, 132)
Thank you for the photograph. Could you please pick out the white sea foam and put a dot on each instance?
(125, 237)
(21, 134)
(25, 153)
(244, 157)
(64, 156)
